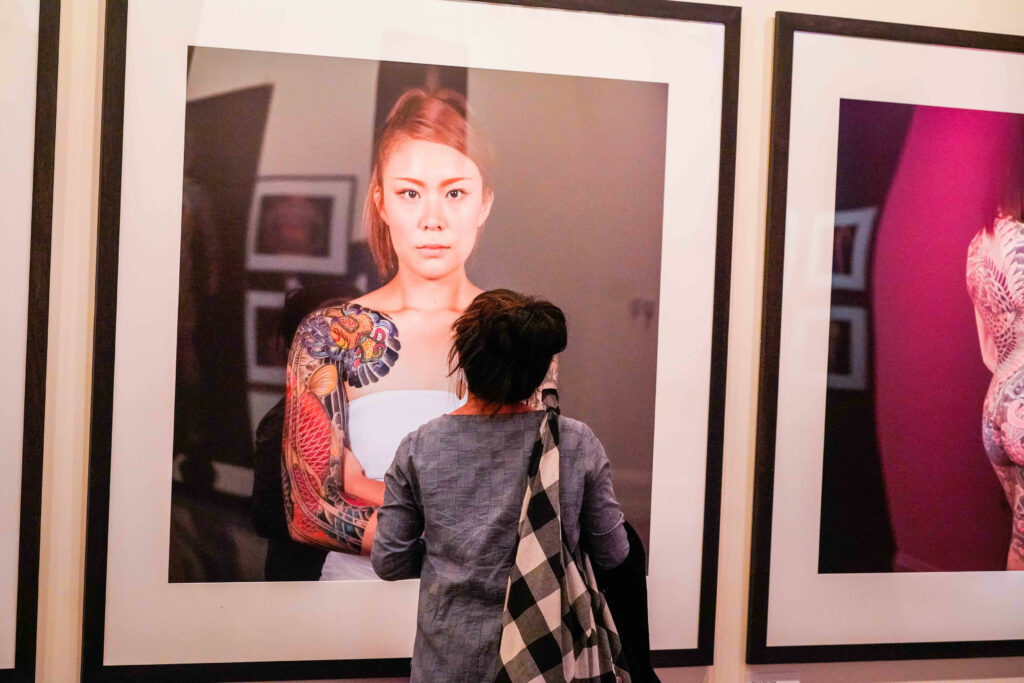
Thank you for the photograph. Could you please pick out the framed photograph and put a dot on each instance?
(612, 192)
(28, 74)
(847, 348)
(301, 224)
(265, 351)
(888, 493)
(850, 243)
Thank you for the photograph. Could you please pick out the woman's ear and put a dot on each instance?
(378, 203)
(485, 209)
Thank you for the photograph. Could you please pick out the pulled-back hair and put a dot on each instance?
(441, 116)
(504, 343)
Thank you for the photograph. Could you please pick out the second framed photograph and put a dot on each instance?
(301, 224)
(889, 491)
(242, 157)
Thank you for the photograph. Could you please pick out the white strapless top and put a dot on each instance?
(377, 423)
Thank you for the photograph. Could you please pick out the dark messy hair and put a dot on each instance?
(504, 343)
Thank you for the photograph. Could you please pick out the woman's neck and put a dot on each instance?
(453, 292)
(475, 405)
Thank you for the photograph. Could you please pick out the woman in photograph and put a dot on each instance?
(363, 375)
(995, 280)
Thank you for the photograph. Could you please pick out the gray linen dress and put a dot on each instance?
(450, 513)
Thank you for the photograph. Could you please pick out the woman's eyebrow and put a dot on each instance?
(443, 183)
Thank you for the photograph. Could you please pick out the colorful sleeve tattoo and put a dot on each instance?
(1015, 558)
(349, 344)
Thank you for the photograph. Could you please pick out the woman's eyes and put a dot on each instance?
(414, 194)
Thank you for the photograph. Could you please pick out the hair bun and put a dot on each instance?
(546, 325)
(504, 343)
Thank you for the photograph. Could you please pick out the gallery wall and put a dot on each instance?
(65, 474)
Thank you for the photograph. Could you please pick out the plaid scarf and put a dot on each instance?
(556, 625)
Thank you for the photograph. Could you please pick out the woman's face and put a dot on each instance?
(433, 199)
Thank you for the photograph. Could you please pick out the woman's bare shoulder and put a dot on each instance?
(345, 306)
(363, 340)
(381, 299)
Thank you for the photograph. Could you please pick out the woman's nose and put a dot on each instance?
(433, 213)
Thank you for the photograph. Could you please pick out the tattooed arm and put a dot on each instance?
(986, 342)
(332, 347)
(1015, 556)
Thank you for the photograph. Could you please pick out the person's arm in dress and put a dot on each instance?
(619, 566)
(398, 545)
(601, 522)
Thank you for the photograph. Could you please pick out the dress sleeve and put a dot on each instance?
(398, 546)
(601, 522)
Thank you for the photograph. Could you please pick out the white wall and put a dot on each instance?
(71, 301)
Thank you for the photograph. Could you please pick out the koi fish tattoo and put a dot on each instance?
(340, 345)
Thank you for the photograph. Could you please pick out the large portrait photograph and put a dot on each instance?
(889, 481)
(566, 221)
(919, 463)
(305, 202)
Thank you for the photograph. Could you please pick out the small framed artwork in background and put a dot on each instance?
(301, 224)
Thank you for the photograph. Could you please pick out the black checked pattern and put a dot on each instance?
(556, 625)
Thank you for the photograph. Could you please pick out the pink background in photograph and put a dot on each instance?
(929, 378)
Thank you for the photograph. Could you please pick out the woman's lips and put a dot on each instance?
(432, 248)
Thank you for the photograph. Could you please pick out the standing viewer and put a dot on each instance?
(455, 489)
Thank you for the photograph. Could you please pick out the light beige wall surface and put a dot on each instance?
(298, 80)
(70, 334)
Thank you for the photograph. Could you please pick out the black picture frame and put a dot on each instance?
(761, 649)
(37, 324)
(108, 255)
